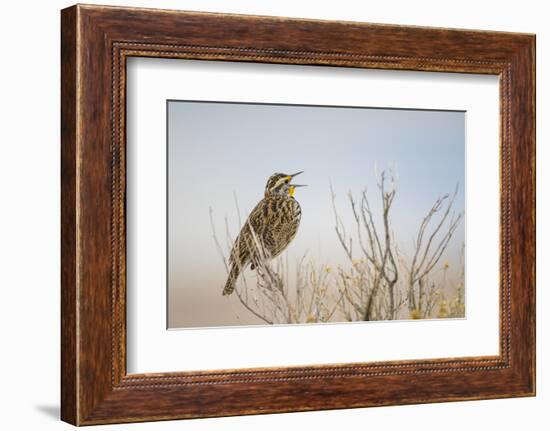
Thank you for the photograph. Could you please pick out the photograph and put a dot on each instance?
(305, 214)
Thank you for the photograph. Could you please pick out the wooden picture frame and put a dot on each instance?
(95, 43)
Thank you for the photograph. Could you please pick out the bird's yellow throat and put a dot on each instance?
(291, 191)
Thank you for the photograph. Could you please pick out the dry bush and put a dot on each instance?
(377, 281)
(369, 281)
(434, 234)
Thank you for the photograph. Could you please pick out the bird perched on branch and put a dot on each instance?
(269, 229)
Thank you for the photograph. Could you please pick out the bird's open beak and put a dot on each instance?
(295, 175)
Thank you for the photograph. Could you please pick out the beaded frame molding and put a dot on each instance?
(95, 43)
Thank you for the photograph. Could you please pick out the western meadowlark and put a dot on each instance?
(269, 229)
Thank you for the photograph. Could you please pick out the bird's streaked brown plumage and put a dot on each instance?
(268, 230)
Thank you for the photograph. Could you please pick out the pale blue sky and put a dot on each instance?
(217, 149)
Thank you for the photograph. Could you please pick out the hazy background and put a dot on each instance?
(219, 150)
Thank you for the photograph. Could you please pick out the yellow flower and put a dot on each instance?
(415, 314)
(443, 310)
(446, 265)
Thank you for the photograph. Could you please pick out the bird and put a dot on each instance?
(269, 229)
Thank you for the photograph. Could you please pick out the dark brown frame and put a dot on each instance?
(95, 43)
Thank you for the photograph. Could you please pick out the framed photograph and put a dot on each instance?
(265, 214)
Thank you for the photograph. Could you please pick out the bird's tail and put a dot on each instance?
(231, 280)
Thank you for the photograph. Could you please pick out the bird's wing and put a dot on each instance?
(285, 228)
(274, 222)
(284, 217)
(245, 241)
